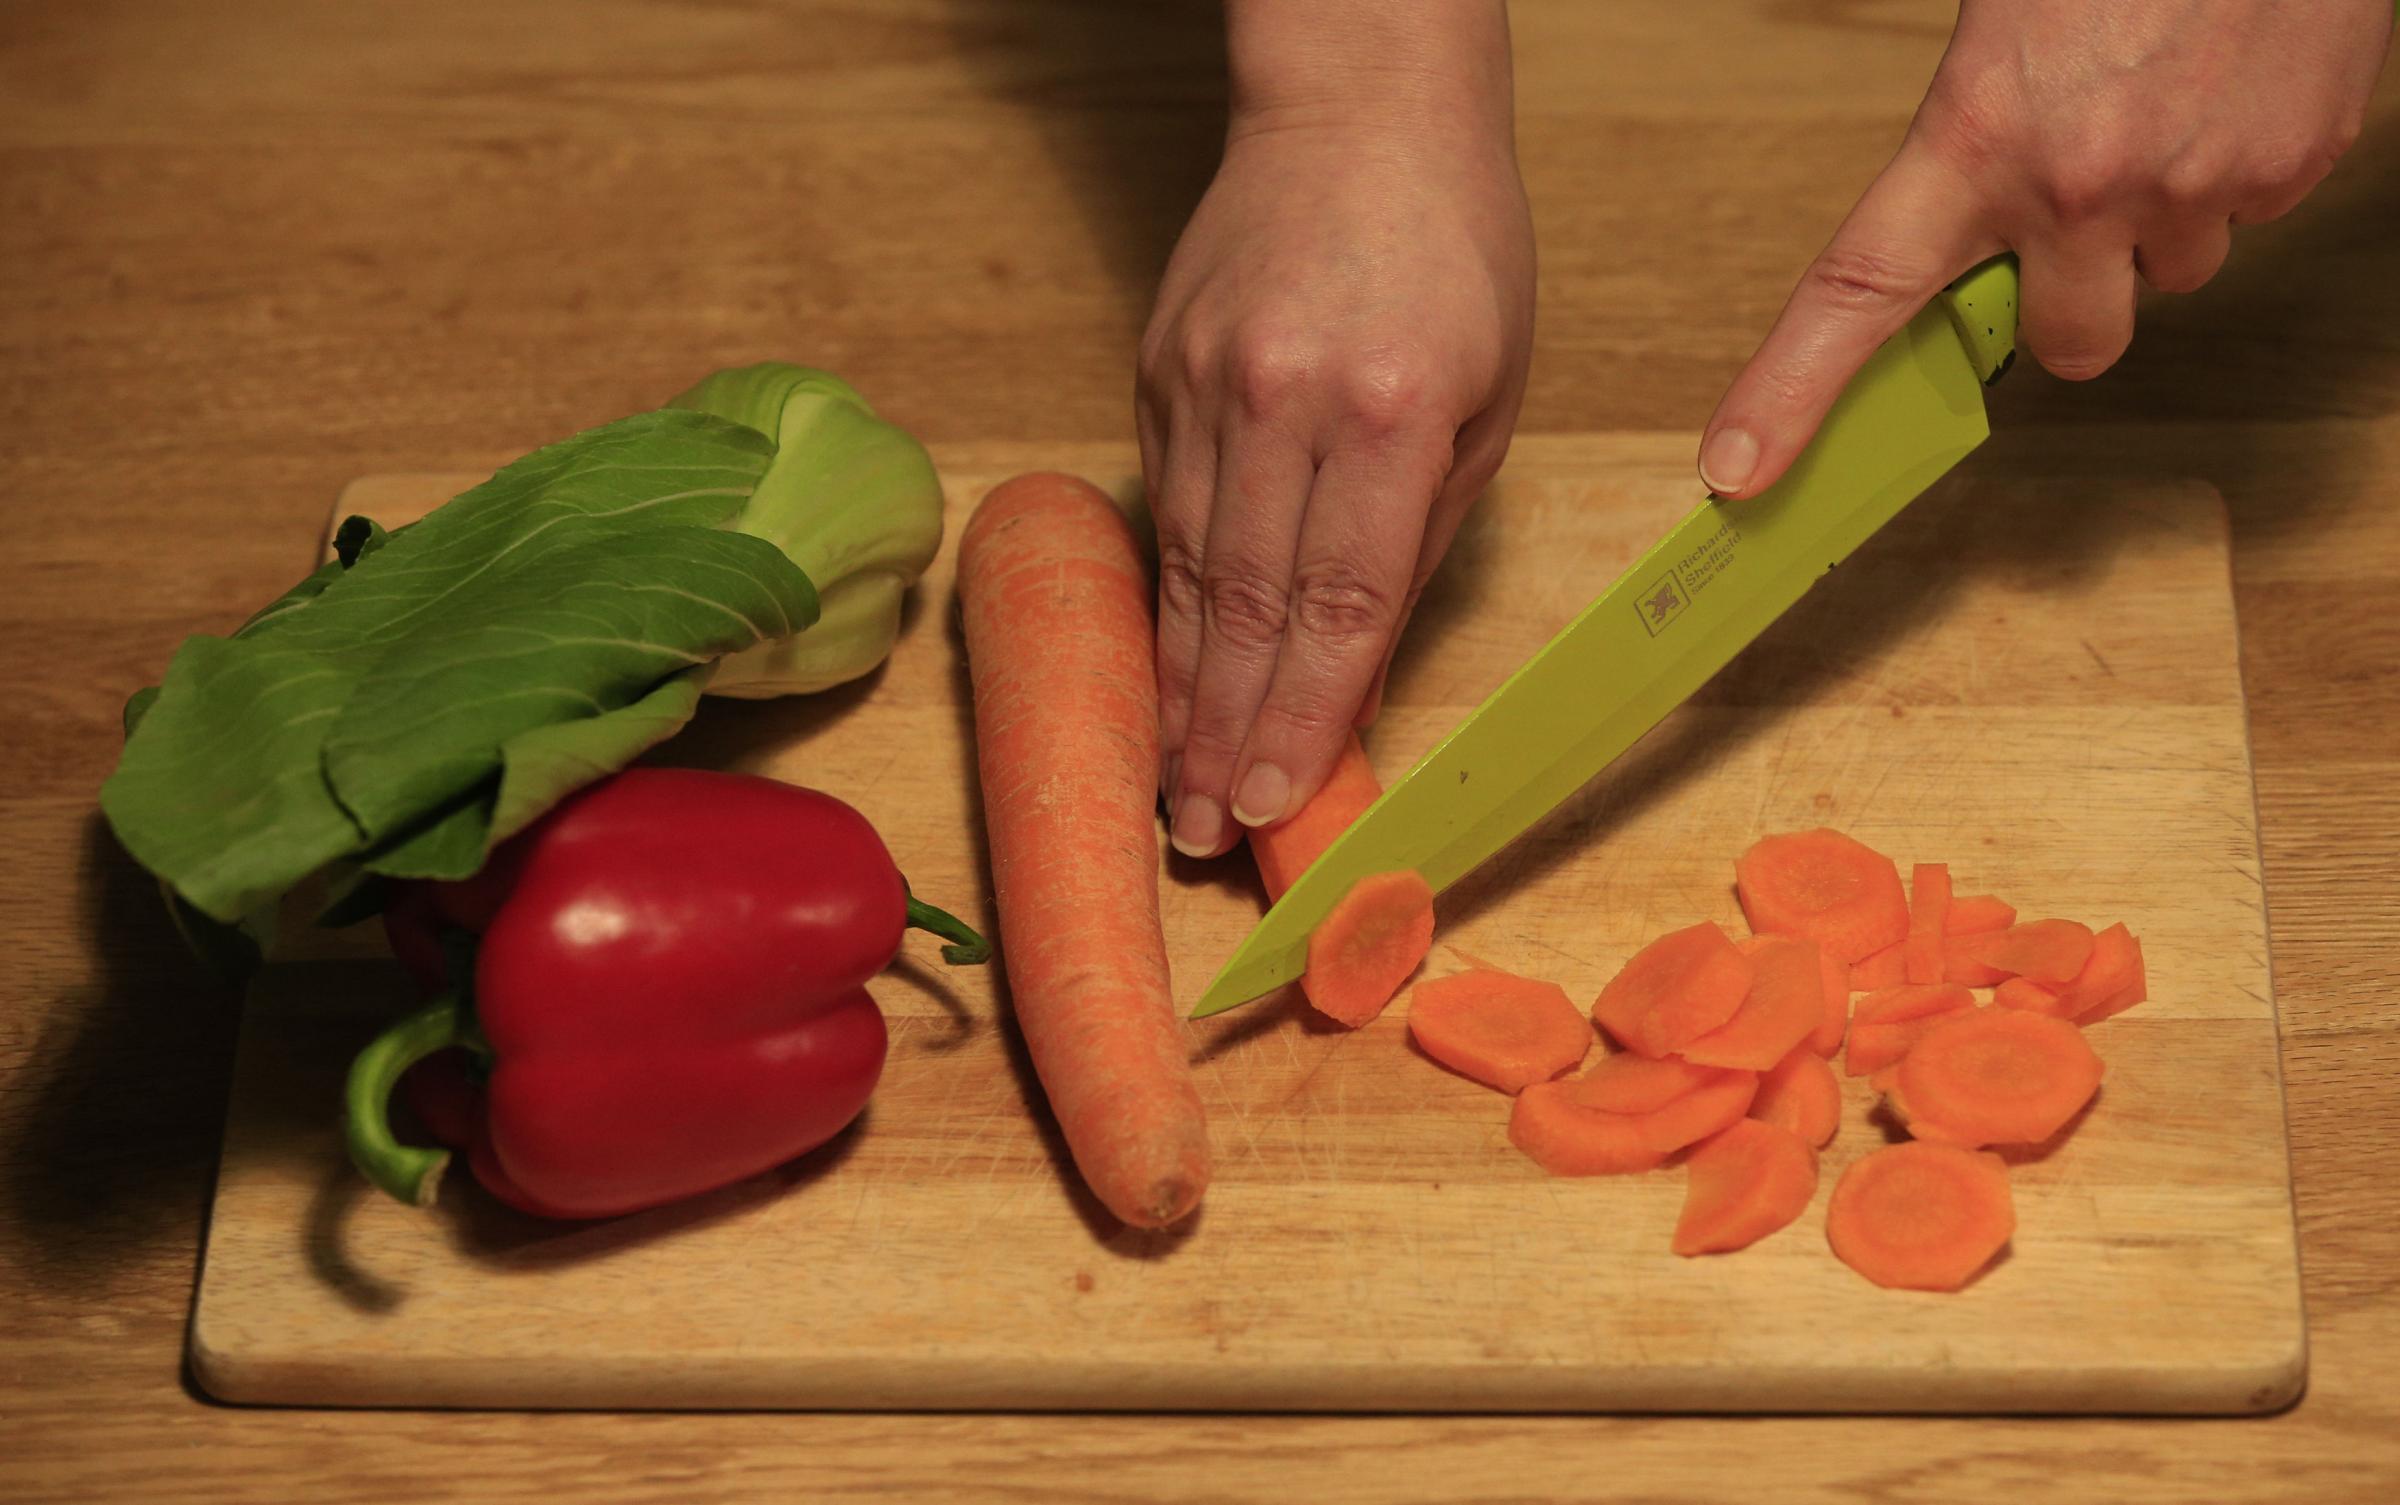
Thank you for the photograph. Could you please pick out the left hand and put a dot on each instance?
(2101, 143)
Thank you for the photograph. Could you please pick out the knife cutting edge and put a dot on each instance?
(1682, 611)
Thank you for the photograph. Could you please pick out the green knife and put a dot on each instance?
(1678, 616)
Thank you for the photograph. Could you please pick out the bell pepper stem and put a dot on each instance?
(409, 1172)
(967, 948)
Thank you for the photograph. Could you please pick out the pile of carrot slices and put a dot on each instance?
(1723, 1048)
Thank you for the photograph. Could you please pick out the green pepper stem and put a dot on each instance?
(968, 948)
(409, 1172)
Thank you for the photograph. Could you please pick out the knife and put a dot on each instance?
(1683, 610)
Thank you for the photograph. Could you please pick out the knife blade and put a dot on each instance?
(1668, 624)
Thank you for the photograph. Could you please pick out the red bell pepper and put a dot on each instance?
(657, 989)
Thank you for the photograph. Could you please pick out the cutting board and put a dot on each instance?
(2032, 680)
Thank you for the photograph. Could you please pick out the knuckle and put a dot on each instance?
(1387, 392)
(1867, 279)
(1266, 369)
(1242, 608)
(2082, 184)
(1178, 573)
(1337, 605)
(2289, 164)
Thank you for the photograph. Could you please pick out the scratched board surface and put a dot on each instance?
(2033, 680)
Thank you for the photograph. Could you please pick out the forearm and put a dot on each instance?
(1302, 62)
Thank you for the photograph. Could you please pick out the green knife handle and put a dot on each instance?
(1983, 306)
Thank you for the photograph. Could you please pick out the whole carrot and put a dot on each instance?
(1057, 609)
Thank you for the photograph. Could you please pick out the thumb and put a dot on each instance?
(1916, 227)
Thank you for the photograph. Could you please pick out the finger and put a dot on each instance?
(1187, 488)
(1481, 447)
(2076, 313)
(1263, 477)
(2182, 257)
(1917, 226)
(1351, 574)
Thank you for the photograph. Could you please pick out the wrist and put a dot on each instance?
(1336, 63)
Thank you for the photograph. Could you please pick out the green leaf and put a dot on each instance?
(541, 767)
(459, 673)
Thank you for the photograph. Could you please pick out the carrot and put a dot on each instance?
(1825, 886)
(1928, 914)
(1747, 1180)
(1627, 1083)
(1921, 1217)
(1056, 604)
(2135, 990)
(1502, 1030)
(1553, 1123)
(1801, 1094)
(1368, 944)
(2030, 996)
(1888, 1023)
(1977, 913)
(1910, 1001)
(1674, 990)
(2116, 961)
(1995, 1076)
(1700, 1112)
(2046, 951)
(1283, 851)
(1784, 1006)
(1887, 968)
(1826, 1038)
(1566, 1140)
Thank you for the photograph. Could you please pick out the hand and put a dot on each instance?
(1329, 379)
(2102, 142)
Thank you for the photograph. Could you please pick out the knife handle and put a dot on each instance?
(1983, 307)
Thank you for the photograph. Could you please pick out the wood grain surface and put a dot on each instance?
(1372, 1241)
(255, 248)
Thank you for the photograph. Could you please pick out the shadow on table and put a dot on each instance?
(1131, 104)
(121, 1097)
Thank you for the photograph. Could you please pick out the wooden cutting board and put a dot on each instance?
(2034, 681)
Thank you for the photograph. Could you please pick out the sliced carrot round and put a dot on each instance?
(1996, 1076)
(1888, 1023)
(1503, 1030)
(1919, 1216)
(2047, 951)
(1699, 1113)
(1826, 1038)
(2032, 997)
(1978, 913)
(1784, 1006)
(1674, 990)
(1365, 947)
(1627, 1083)
(1567, 1140)
(1887, 968)
(1928, 917)
(1554, 1123)
(1803, 1095)
(1744, 1182)
(1911, 1001)
(1826, 886)
(2115, 962)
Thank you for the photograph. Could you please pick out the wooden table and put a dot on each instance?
(251, 248)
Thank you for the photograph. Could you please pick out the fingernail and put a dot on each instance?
(1728, 460)
(1197, 824)
(1264, 793)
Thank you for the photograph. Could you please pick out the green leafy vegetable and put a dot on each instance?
(430, 690)
(852, 499)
